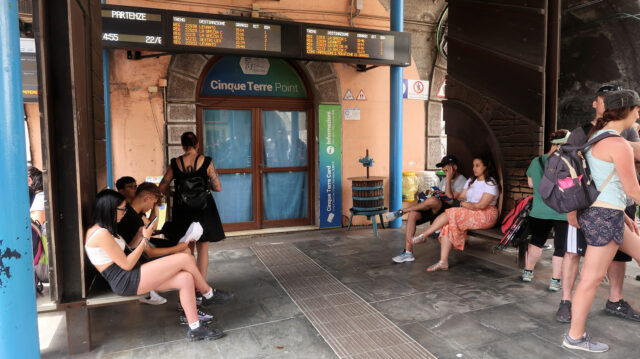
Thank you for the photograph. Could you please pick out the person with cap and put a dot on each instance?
(576, 242)
(475, 208)
(542, 218)
(439, 199)
(604, 224)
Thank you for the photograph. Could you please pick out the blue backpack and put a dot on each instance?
(566, 184)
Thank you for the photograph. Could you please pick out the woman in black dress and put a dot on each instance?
(191, 164)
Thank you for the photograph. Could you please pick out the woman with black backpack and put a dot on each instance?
(194, 176)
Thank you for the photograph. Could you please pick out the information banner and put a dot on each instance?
(330, 173)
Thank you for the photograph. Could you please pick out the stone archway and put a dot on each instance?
(184, 72)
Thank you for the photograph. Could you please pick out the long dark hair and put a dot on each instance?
(490, 172)
(36, 179)
(105, 213)
(614, 114)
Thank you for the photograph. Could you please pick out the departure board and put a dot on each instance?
(351, 44)
(175, 31)
(225, 34)
(131, 26)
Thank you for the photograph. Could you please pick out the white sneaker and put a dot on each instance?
(404, 257)
(391, 216)
(154, 299)
(193, 233)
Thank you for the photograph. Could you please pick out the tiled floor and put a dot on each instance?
(478, 309)
(352, 327)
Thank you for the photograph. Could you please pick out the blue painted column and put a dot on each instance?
(395, 150)
(107, 114)
(18, 318)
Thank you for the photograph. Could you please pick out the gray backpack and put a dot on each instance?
(566, 184)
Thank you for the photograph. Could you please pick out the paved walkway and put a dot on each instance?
(478, 309)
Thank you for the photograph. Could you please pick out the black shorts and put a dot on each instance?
(429, 216)
(122, 282)
(577, 243)
(540, 229)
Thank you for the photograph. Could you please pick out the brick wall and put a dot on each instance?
(517, 139)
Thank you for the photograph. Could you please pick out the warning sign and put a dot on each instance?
(361, 96)
(348, 95)
(417, 90)
(440, 93)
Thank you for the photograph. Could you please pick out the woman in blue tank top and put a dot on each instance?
(604, 224)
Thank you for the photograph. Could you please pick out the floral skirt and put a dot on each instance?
(463, 219)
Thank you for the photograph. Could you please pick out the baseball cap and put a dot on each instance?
(446, 160)
(621, 98)
(602, 91)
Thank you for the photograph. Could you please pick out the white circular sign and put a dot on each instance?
(330, 150)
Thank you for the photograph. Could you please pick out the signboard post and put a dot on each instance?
(330, 162)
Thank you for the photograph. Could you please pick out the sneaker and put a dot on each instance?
(218, 297)
(202, 316)
(555, 285)
(563, 315)
(204, 333)
(153, 299)
(622, 309)
(404, 257)
(585, 343)
(392, 216)
(527, 275)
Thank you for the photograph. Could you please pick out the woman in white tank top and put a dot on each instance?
(126, 277)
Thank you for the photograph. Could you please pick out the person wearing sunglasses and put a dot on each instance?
(576, 242)
(127, 187)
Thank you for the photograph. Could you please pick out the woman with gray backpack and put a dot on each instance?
(605, 226)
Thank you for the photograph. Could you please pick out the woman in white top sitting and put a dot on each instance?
(477, 210)
(105, 250)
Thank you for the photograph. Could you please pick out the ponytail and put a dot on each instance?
(614, 114)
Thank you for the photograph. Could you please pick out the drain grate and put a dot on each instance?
(352, 327)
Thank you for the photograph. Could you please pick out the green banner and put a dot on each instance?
(330, 162)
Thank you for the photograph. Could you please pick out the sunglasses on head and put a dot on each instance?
(605, 89)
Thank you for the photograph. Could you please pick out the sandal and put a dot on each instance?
(438, 266)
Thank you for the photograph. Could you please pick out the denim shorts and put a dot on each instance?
(602, 225)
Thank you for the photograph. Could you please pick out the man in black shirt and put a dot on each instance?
(146, 198)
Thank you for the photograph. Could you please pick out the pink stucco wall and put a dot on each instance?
(138, 119)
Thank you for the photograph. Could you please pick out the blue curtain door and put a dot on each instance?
(262, 159)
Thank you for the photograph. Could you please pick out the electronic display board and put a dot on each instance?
(132, 26)
(226, 34)
(181, 31)
(348, 44)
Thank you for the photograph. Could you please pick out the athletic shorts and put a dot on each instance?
(576, 242)
(429, 216)
(540, 229)
(602, 225)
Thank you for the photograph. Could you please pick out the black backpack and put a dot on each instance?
(566, 184)
(193, 190)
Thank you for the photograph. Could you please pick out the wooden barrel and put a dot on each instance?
(368, 193)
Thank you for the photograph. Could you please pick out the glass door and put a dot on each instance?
(262, 159)
(228, 140)
(284, 167)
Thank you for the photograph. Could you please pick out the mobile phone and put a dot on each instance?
(154, 220)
